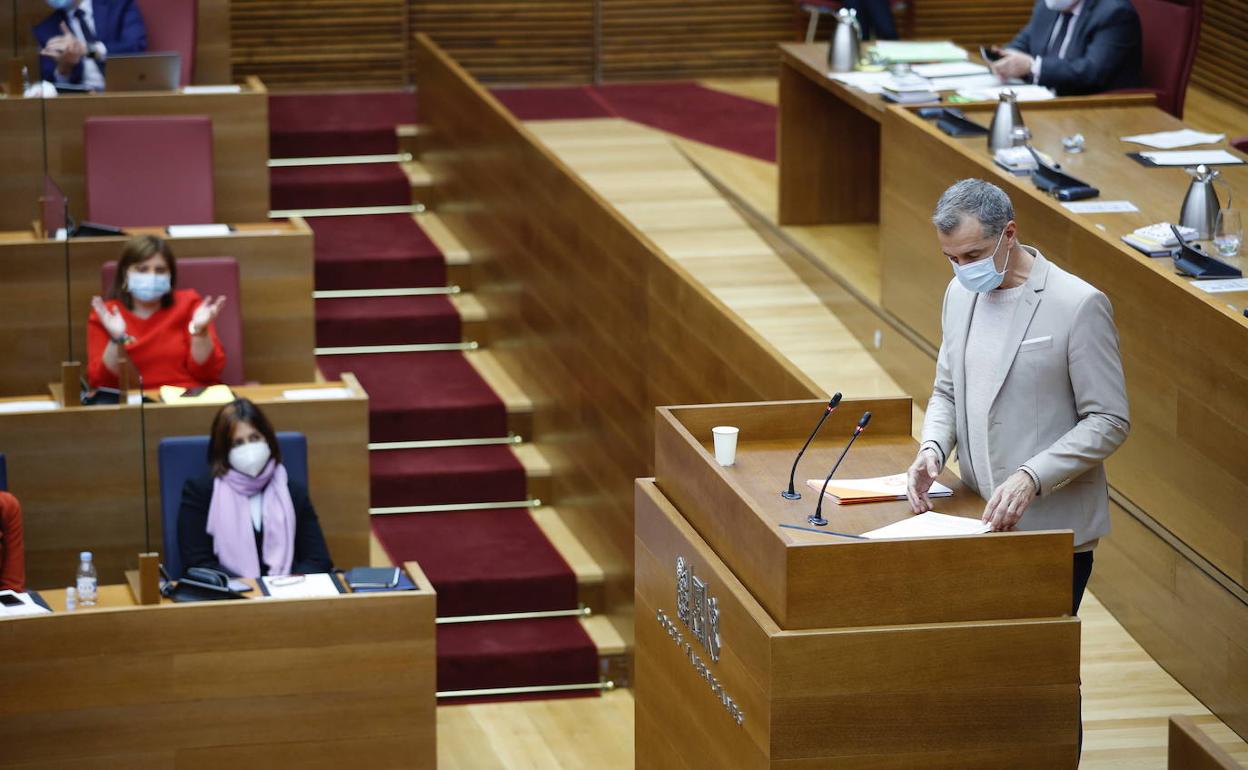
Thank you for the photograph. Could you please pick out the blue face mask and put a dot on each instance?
(61, 5)
(981, 275)
(148, 287)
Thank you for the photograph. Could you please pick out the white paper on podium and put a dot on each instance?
(27, 606)
(316, 585)
(930, 524)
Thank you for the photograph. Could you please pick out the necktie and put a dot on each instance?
(1055, 44)
(88, 34)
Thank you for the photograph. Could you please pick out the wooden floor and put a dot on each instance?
(651, 178)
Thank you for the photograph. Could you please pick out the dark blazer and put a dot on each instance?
(311, 553)
(118, 25)
(1104, 51)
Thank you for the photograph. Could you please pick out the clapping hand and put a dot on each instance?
(919, 478)
(1009, 501)
(65, 48)
(112, 320)
(205, 314)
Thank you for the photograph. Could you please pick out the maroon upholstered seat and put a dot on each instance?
(1240, 143)
(149, 171)
(210, 276)
(1170, 31)
(171, 27)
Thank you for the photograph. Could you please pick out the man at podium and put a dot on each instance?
(1029, 385)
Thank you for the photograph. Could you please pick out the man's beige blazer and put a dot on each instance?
(1060, 406)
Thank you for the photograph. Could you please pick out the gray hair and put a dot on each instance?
(983, 201)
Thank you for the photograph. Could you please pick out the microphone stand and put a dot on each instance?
(791, 493)
(816, 518)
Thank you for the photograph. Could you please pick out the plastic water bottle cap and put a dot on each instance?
(85, 556)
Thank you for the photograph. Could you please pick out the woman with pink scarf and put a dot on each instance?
(247, 518)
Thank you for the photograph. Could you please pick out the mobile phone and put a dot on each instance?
(11, 600)
(988, 54)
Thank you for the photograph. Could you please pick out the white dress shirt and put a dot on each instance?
(92, 76)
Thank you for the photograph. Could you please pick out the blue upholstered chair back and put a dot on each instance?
(4, 475)
(186, 457)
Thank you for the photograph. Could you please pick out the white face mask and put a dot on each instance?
(250, 458)
(981, 275)
(1061, 6)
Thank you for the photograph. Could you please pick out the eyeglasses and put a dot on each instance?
(287, 580)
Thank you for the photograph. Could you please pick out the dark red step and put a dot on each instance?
(471, 474)
(376, 251)
(386, 321)
(515, 653)
(422, 396)
(311, 125)
(319, 187)
(553, 103)
(481, 562)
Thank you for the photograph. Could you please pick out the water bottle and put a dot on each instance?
(71, 599)
(87, 581)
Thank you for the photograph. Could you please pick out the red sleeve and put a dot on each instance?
(12, 550)
(209, 372)
(98, 375)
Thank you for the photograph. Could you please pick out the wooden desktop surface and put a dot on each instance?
(240, 129)
(78, 474)
(738, 510)
(343, 681)
(1185, 352)
(275, 261)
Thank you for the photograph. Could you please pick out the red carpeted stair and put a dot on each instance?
(482, 562)
(422, 396)
(386, 321)
(375, 251)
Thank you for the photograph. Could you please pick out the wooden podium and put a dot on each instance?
(764, 647)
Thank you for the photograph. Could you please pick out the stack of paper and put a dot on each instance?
(877, 490)
(1170, 140)
(912, 51)
(930, 524)
(1157, 240)
(14, 605)
(949, 69)
(871, 82)
(1191, 157)
(1024, 93)
(312, 586)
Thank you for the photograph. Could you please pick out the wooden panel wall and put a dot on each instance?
(593, 320)
(1222, 57)
(516, 41)
(320, 43)
(970, 22)
(659, 39)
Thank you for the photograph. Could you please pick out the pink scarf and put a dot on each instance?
(229, 521)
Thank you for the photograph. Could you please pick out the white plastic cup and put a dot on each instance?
(725, 444)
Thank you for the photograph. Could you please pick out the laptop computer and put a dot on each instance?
(161, 71)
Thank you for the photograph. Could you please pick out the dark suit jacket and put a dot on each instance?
(118, 25)
(1104, 50)
(311, 553)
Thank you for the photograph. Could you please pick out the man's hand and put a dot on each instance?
(1009, 501)
(1012, 64)
(919, 478)
(66, 49)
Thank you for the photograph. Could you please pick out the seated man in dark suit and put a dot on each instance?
(78, 36)
(1076, 47)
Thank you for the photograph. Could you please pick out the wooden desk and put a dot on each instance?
(839, 652)
(346, 681)
(275, 262)
(240, 130)
(212, 37)
(828, 152)
(78, 474)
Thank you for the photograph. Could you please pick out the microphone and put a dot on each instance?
(791, 493)
(817, 517)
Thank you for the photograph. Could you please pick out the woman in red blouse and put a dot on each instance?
(167, 333)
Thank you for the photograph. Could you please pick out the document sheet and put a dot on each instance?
(930, 524)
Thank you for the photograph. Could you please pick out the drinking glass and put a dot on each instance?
(1229, 232)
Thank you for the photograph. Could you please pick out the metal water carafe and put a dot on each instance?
(1200, 205)
(1005, 121)
(844, 50)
